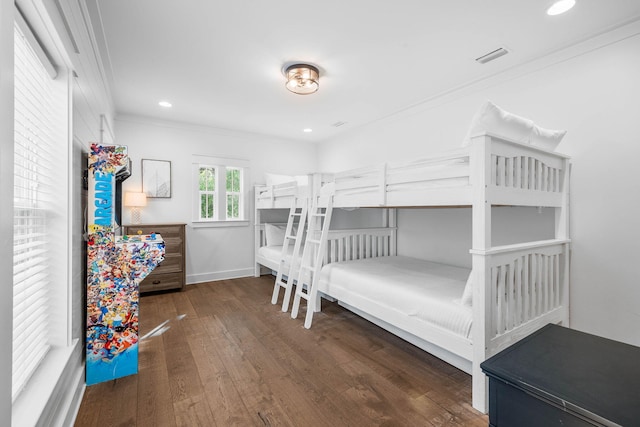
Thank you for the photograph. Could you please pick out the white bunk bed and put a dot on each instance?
(280, 192)
(512, 290)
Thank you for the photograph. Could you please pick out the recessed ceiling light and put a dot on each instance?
(165, 104)
(561, 6)
(307, 130)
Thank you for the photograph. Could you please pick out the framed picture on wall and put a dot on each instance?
(156, 178)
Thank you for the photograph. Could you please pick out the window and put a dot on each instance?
(207, 179)
(40, 206)
(234, 193)
(220, 197)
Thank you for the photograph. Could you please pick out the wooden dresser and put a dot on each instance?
(171, 273)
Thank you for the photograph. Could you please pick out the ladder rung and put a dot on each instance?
(318, 214)
(296, 214)
(317, 242)
(291, 237)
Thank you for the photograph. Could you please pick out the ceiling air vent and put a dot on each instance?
(338, 124)
(492, 55)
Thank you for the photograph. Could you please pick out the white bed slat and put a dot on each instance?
(510, 172)
(511, 284)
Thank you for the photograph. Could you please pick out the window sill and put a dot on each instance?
(30, 404)
(218, 224)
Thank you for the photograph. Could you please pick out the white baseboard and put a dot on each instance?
(76, 399)
(219, 275)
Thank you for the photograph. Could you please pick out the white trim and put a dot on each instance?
(38, 49)
(219, 161)
(220, 164)
(219, 275)
(218, 224)
(32, 404)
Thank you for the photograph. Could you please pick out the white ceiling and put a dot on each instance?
(220, 62)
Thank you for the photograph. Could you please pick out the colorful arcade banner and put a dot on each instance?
(115, 268)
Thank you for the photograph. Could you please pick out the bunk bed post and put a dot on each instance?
(480, 161)
(383, 184)
(392, 223)
(257, 237)
(562, 232)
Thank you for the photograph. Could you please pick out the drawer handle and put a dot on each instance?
(156, 282)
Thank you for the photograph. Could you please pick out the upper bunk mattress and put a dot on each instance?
(428, 291)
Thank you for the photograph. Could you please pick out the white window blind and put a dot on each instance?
(35, 191)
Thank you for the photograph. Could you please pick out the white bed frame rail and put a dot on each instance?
(280, 196)
(522, 175)
(527, 289)
(516, 174)
(353, 244)
(342, 245)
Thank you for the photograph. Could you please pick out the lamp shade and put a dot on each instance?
(135, 199)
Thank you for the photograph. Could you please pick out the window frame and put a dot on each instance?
(31, 403)
(207, 192)
(238, 193)
(221, 165)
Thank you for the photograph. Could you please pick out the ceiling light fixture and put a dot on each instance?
(302, 79)
(165, 104)
(307, 130)
(560, 6)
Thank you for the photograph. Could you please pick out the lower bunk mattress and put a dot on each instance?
(272, 254)
(427, 291)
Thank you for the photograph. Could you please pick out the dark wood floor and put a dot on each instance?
(235, 359)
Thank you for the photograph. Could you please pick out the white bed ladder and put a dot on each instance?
(299, 213)
(312, 258)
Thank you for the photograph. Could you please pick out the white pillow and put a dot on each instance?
(274, 234)
(493, 119)
(275, 179)
(467, 295)
(547, 139)
(302, 179)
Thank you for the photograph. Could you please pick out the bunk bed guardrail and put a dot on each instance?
(350, 244)
(353, 244)
(279, 196)
(527, 287)
(520, 174)
(525, 175)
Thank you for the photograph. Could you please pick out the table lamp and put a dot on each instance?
(135, 201)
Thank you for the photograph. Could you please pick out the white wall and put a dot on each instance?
(6, 209)
(212, 253)
(593, 91)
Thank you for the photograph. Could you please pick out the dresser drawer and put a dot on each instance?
(172, 264)
(163, 229)
(170, 273)
(158, 282)
(172, 245)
